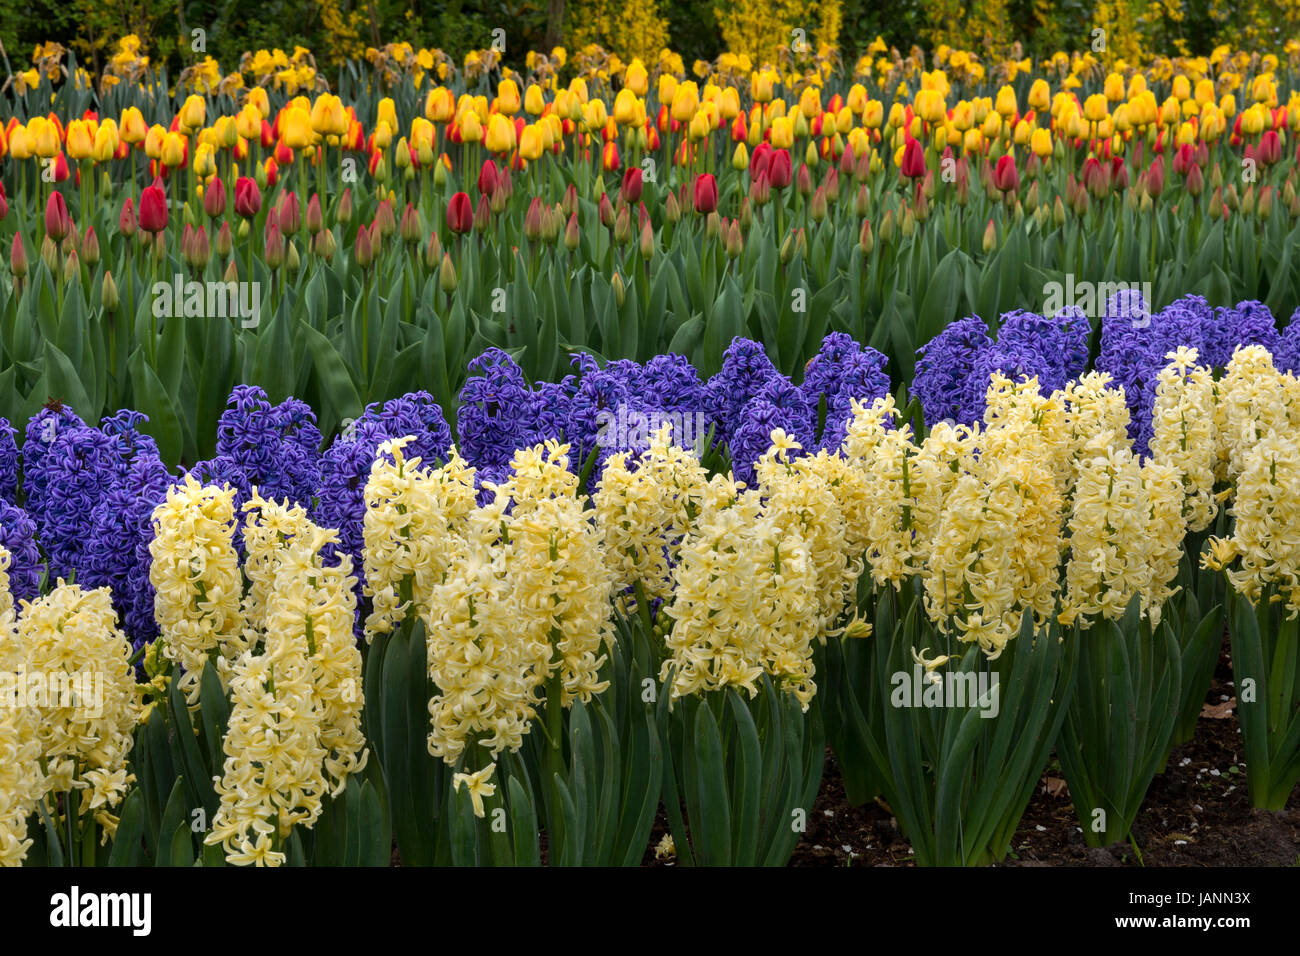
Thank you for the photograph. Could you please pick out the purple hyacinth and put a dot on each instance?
(18, 535)
(498, 410)
(273, 448)
(745, 369)
(78, 468)
(1249, 323)
(945, 369)
(43, 428)
(1287, 357)
(8, 462)
(116, 553)
(752, 436)
(840, 372)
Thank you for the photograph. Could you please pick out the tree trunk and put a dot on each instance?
(554, 24)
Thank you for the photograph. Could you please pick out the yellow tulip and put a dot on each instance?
(1041, 143)
(625, 107)
(132, 128)
(686, 100)
(667, 87)
(929, 106)
(500, 136)
(1006, 102)
(153, 141)
(1095, 108)
(636, 79)
(80, 145)
(782, 133)
(471, 130)
(440, 105)
(172, 153)
(44, 136)
(204, 163)
(810, 102)
(193, 113)
(761, 86)
(1040, 95)
(106, 141)
(20, 146)
(387, 113)
(260, 101)
(534, 101)
(295, 128)
(1114, 87)
(531, 143)
(508, 97)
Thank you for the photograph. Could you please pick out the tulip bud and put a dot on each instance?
(887, 227)
(1058, 212)
(1230, 198)
(231, 274)
(363, 252)
(50, 255)
(1195, 181)
(18, 257)
(482, 215)
(447, 275)
(126, 221)
(712, 225)
(606, 209)
(291, 258)
(672, 209)
(1265, 202)
(620, 290)
(647, 240)
(223, 242)
(323, 244)
(108, 292)
(90, 247)
(990, 237)
(818, 208)
(410, 227)
(344, 212)
(315, 218)
(274, 254)
(787, 249)
(572, 236)
(866, 241)
(735, 241)
(432, 251)
(622, 225)
(71, 267)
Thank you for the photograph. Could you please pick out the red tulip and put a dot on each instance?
(1156, 178)
(780, 171)
(126, 221)
(290, 214)
(488, 178)
(4, 203)
(460, 214)
(363, 253)
(248, 198)
(632, 184)
(1270, 148)
(706, 193)
(1005, 176)
(214, 198)
(913, 159)
(57, 221)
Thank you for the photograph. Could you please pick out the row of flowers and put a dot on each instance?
(791, 600)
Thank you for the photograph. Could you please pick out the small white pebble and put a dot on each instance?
(818, 846)
(828, 813)
(846, 848)
(1040, 829)
(1224, 697)
(1185, 761)
(1215, 773)
(1230, 789)
(1198, 808)
(1180, 843)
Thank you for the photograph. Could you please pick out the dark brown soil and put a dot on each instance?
(1197, 813)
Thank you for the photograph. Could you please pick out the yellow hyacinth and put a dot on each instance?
(196, 577)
